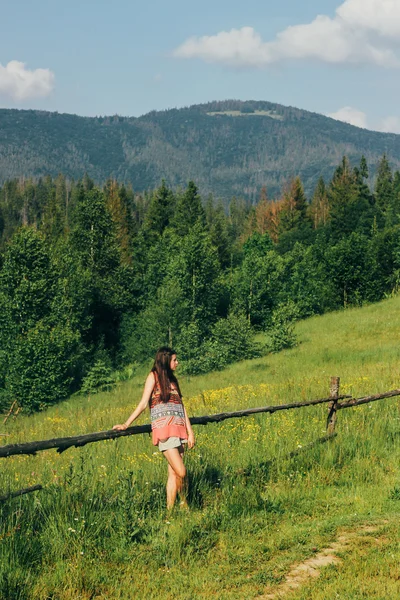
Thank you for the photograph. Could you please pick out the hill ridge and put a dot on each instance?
(217, 144)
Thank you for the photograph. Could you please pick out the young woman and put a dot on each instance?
(170, 424)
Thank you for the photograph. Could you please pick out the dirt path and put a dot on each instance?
(301, 573)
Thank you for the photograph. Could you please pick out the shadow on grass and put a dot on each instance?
(202, 482)
(265, 468)
(208, 481)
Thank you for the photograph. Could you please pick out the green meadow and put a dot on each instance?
(264, 495)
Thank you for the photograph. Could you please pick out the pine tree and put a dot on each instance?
(189, 210)
(30, 212)
(319, 207)
(238, 211)
(365, 208)
(295, 224)
(113, 287)
(364, 171)
(87, 182)
(119, 211)
(93, 235)
(196, 267)
(159, 213)
(209, 210)
(268, 216)
(218, 226)
(294, 211)
(348, 264)
(393, 211)
(343, 193)
(262, 212)
(384, 186)
(255, 285)
(53, 219)
(249, 225)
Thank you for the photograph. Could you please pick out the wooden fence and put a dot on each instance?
(335, 403)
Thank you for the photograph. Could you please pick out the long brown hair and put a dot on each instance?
(162, 367)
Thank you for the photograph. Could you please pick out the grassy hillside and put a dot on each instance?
(229, 148)
(99, 529)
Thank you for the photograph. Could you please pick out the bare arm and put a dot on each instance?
(148, 388)
(191, 438)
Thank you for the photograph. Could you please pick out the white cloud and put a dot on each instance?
(330, 41)
(357, 117)
(350, 115)
(348, 37)
(381, 16)
(19, 83)
(238, 47)
(390, 125)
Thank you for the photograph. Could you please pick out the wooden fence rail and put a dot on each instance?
(62, 444)
(367, 399)
(28, 490)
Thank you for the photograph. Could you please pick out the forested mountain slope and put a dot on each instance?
(229, 148)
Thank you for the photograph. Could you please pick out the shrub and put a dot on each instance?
(42, 366)
(98, 379)
(281, 334)
(231, 339)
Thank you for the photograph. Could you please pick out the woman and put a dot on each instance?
(170, 424)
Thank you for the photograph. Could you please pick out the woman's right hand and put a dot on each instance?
(120, 427)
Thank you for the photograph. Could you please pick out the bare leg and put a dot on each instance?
(184, 482)
(176, 476)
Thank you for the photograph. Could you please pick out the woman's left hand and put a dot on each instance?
(191, 440)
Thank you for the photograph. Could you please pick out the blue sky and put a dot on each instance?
(337, 57)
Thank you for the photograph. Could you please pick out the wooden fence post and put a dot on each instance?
(334, 394)
(13, 405)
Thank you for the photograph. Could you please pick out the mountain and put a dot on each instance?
(228, 148)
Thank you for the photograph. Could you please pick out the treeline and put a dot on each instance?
(94, 279)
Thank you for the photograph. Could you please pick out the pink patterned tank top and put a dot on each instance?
(167, 418)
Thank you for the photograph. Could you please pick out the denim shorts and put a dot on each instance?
(172, 442)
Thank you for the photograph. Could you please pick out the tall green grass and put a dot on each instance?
(262, 495)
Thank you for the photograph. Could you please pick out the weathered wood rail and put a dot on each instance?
(28, 490)
(62, 444)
